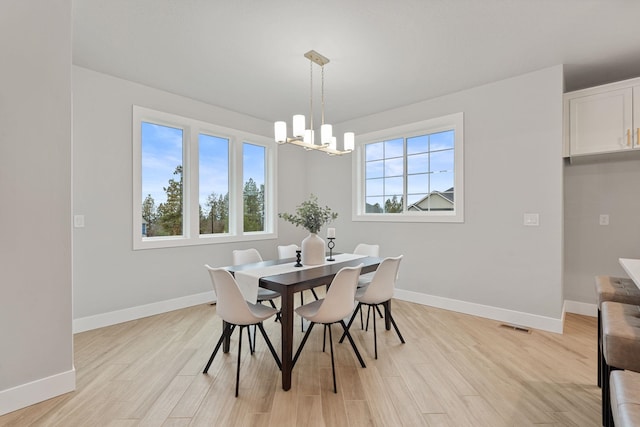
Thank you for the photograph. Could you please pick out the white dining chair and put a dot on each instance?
(364, 280)
(287, 251)
(236, 311)
(333, 308)
(379, 291)
(250, 256)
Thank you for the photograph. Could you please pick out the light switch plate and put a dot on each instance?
(604, 219)
(78, 221)
(532, 219)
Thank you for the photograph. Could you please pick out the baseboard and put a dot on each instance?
(582, 308)
(500, 314)
(36, 391)
(119, 316)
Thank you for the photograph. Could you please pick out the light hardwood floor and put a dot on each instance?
(454, 370)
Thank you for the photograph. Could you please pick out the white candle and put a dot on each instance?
(331, 233)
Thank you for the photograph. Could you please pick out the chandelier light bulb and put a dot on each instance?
(298, 126)
(280, 132)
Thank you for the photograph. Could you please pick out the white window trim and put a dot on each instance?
(191, 221)
(452, 121)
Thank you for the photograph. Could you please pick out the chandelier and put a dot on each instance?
(305, 137)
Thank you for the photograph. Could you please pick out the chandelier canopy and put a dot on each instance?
(305, 137)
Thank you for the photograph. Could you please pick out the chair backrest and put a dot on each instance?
(384, 281)
(231, 305)
(340, 298)
(288, 251)
(367, 250)
(246, 256)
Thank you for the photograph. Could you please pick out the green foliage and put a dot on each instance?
(217, 219)
(253, 199)
(310, 215)
(149, 214)
(393, 205)
(170, 212)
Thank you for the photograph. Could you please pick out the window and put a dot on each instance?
(198, 183)
(411, 173)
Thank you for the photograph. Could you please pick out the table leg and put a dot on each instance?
(286, 322)
(387, 315)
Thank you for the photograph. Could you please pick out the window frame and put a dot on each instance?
(453, 122)
(192, 128)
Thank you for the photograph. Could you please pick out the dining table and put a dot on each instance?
(290, 281)
(632, 267)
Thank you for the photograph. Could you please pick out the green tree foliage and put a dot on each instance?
(170, 212)
(253, 198)
(393, 205)
(217, 218)
(149, 214)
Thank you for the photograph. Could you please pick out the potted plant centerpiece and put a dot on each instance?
(312, 217)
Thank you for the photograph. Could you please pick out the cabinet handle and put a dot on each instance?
(628, 137)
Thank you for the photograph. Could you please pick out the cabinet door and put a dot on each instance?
(601, 123)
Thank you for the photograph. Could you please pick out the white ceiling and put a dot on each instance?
(247, 55)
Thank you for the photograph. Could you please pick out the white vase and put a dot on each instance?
(312, 250)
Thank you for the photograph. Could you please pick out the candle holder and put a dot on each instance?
(298, 263)
(331, 245)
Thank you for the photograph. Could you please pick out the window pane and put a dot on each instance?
(374, 187)
(214, 184)
(162, 213)
(374, 169)
(394, 167)
(374, 204)
(393, 204)
(393, 148)
(374, 151)
(418, 163)
(442, 161)
(393, 186)
(416, 203)
(253, 166)
(418, 144)
(442, 181)
(441, 140)
(418, 184)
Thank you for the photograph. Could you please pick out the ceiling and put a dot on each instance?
(248, 55)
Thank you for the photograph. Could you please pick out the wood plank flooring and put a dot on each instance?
(454, 370)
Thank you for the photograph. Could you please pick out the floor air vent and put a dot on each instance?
(516, 328)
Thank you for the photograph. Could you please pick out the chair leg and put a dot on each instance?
(252, 338)
(379, 312)
(313, 291)
(301, 304)
(361, 322)
(268, 341)
(353, 344)
(353, 316)
(333, 367)
(226, 332)
(599, 349)
(239, 354)
(368, 313)
(393, 322)
(324, 338)
(375, 334)
(304, 341)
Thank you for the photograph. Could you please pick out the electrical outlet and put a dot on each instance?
(604, 219)
(532, 219)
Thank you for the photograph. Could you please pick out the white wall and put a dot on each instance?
(491, 264)
(597, 185)
(111, 281)
(36, 356)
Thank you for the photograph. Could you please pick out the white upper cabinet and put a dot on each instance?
(602, 119)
